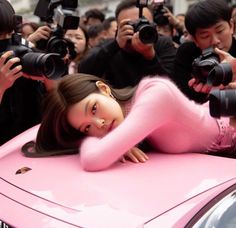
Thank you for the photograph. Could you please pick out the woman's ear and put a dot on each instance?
(103, 88)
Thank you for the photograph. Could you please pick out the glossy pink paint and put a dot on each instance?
(56, 192)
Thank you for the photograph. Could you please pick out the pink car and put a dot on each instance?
(187, 190)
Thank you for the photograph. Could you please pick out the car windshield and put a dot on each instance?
(222, 214)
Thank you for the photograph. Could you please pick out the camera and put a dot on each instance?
(159, 11)
(208, 69)
(65, 15)
(35, 63)
(222, 102)
(147, 30)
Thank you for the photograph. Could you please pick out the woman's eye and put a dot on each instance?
(94, 109)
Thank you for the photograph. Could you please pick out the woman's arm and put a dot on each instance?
(154, 106)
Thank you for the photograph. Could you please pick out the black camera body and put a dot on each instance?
(57, 44)
(147, 30)
(208, 69)
(158, 13)
(64, 14)
(35, 63)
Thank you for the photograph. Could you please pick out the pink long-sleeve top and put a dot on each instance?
(166, 118)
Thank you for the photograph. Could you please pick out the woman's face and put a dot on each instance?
(97, 114)
(78, 38)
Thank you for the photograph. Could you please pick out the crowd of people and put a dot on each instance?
(125, 87)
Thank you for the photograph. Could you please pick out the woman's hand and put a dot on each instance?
(135, 155)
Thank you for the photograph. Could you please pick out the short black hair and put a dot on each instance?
(7, 17)
(127, 4)
(206, 13)
(94, 30)
(107, 22)
(94, 13)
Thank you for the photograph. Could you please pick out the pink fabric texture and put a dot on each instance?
(167, 119)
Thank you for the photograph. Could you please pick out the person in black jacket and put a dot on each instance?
(210, 25)
(125, 60)
(20, 97)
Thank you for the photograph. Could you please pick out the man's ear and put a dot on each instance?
(231, 24)
(103, 88)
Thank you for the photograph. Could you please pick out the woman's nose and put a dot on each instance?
(99, 122)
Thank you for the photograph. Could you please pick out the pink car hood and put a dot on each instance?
(127, 195)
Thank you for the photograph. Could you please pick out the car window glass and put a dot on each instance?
(222, 214)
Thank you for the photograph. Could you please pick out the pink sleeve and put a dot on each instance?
(154, 105)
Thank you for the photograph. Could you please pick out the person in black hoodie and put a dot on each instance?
(125, 60)
(20, 97)
(210, 25)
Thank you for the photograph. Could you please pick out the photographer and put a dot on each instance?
(222, 100)
(20, 96)
(125, 60)
(167, 23)
(210, 25)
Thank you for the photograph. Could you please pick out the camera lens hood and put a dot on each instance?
(220, 74)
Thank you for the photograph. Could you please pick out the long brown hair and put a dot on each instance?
(56, 136)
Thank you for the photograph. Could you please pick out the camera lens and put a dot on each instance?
(56, 45)
(220, 74)
(40, 64)
(222, 102)
(147, 34)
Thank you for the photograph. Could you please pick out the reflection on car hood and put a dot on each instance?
(128, 192)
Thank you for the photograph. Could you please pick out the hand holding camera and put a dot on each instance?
(223, 101)
(8, 73)
(125, 33)
(42, 33)
(147, 50)
(138, 35)
(208, 68)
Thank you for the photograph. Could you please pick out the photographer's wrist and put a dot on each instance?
(178, 25)
(149, 54)
(1, 95)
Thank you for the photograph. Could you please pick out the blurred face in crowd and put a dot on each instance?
(111, 32)
(95, 41)
(165, 30)
(4, 36)
(27, 30)
(78, 38)
(218, 35)
(92, 21)
(133, 14)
